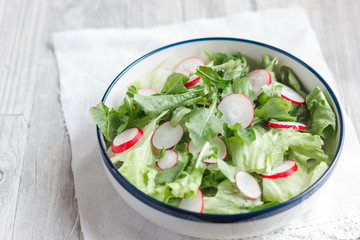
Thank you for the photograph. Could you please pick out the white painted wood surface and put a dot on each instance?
(37, 197)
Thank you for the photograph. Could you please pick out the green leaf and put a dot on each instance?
(323, 121)
(175, 84)
(275, 108)
(178, 114)
(111, 123)
(228, 200)
(231, 69)
(289, 78)
(99, 115)
(269, 91)
(269, 148)
(243, 86)
(268, 63)
(154, 105)
(211, 78)
(203, 124)
(170, 174)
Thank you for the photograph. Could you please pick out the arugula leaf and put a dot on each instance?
(156, 104)
(203, 124)
(211, 78)
(289, 78)
(175, 84)
(178, 114)
(111, 123)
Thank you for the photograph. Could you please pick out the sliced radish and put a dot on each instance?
(290, 94)
(167, 136)
(247, 185)
(215, 142)
(259, 78)
(195, 204)
(126, 139)
(192, 81)
(188, 65)
(237, 108)
(287, 168)
(147, 91)
(169, 160)
(293, 125)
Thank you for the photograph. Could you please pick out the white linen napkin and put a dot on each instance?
(88, 60)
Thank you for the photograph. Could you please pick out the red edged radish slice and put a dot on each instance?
(237, 108)
(126, 139)
(286, 169)
(247, 185)
(169, 160)
(147, 91)
(291, 95)
(192, 81)
(167, 136)
(215, 142)
(195, 204)
(293, 125)
(188, 65)
(258, 78)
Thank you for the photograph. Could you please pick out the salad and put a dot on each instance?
(223, 137)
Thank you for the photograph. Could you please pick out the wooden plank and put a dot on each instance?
(13, 138)
(336, 24)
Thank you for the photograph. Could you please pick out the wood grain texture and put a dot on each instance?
(37, 197)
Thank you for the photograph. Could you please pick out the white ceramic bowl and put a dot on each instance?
(211, 225)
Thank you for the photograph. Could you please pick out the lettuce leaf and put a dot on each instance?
(282, 189)
(275, 108)
(268, 149)
(228, 200)
(323, 121)
(268, 63)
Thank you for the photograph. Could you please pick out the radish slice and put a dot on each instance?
(237, 108)
(147, 91)
(247, 185)
(188, 66)
(195, 204)
(126, 139)
(169, 160)
(192, 81)
(259, 78)
(286, 169)
(167, 136)
(291, 95)
(215, 142)
(293, 125)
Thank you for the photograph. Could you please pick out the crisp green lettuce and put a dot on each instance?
(228, 200)
(275, 108)
(268, 63)
(282, 189)
(323, 121)
(268, 149)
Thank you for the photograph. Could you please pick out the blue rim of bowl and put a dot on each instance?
(221, 218)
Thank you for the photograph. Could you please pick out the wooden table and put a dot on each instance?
(37, 197)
